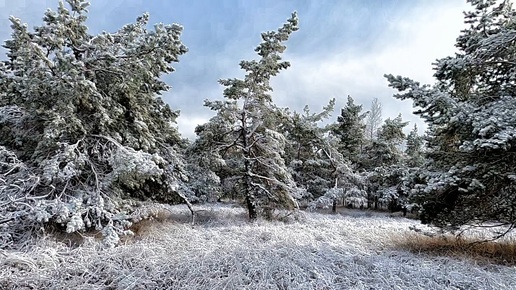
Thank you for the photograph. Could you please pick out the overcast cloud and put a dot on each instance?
(343, 47)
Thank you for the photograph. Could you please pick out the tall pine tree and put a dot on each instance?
(245, 130)
(350, 129)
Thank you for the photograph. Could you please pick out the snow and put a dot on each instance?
(224, 251)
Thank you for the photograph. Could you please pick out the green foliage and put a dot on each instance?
(350, 129)
(243, 135)
(304, 153)
(81, 114)
(414, 148)
(470, 117)
(386, 150)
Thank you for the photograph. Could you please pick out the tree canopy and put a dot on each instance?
(470, 117)
(82, 127)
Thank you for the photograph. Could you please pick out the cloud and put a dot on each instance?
(343, 47)
(407, 46)
(335, 59)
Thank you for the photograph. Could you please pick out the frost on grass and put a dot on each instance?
(224, 251)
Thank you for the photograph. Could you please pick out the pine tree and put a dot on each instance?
(303, 153)
(383, 159)
(386, 150)
(80, 114)
(414, 148)
(350, 129)
(470, 117)
(244, 131)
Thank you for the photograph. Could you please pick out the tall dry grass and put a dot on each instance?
(501, 251)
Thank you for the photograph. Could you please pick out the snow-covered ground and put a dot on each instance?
(224, 251)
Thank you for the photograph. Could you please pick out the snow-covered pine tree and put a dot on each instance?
(414, 148)
(244, 133)
(471, 123)
(344, 183)
(320, 171)
(350, 129)
(386, 150)
(306, 139)
(384, 161)
(205, 167)
(83, 133)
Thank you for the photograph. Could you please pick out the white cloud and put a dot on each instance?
(407, 47)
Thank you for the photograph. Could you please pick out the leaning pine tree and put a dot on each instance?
(243, 135)
(471, 119)
(83, 135)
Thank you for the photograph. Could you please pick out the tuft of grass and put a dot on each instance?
(502, 252)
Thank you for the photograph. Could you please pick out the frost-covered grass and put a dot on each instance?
(223, 250)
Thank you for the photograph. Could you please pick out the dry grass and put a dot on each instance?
(501, 252)
(351, 250)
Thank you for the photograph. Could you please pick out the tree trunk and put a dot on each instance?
(249, 198)
(251, 207)
(334, 206)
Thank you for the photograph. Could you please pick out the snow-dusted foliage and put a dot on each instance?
(414, 149)
(344, 183)
(386, 149)
(471, 120)
(202, 165)
(243, 137)
(305, 151)
(390, 187)
(83, 135)
(350, 130)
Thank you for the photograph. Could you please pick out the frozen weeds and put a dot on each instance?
(224, 251)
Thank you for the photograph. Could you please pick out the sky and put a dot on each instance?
(343, 47)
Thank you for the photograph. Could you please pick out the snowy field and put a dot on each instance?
(224, 251)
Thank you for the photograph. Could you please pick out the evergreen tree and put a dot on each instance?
(384, 162)
(344, 183)
(386, 150)
(303, 153)
(245, 130)
(470, 117)
(414, 149)
(350, 129)
(80, 114)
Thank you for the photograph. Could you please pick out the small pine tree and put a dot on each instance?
(414, 149)
(305, 142)
(386, 150)
(383, 159)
